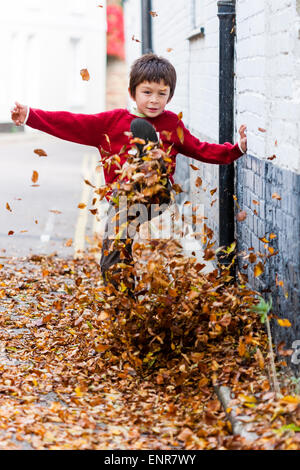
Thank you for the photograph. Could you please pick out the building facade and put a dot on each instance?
(44, 45)
(266, 98)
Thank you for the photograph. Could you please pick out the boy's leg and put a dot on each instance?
(110, 258)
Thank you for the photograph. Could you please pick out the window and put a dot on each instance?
(197, 19)
(198, 6)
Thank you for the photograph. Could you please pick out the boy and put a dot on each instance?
(151, 85)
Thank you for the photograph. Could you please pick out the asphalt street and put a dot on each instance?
(44, 215)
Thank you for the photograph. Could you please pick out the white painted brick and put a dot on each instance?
(267, 71)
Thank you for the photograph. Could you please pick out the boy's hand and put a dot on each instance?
(243, 137)
(19, 113)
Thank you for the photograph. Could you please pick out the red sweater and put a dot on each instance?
(106, 132)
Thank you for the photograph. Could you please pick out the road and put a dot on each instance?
(44, 216)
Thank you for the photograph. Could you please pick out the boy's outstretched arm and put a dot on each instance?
(85, 129)
(221, 154)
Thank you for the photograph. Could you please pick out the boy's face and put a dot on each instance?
(151, 98)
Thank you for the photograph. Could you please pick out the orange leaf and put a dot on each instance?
(78, 391)
(241, 347)
(101, 347)
(35, 176)
(258, 269)
(276, 196)
(180, 134)
(212, 192)
(81, 205)
(169, 49)
(8, 207)
(284, 322)
(85, 74)
(40, 152)
(153, 14)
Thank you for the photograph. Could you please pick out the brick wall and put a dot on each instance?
(267, 97)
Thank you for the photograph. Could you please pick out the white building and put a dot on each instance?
(44, 44)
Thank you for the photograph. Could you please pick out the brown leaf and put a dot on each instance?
(89, 183)
(252, 257)
(194, 167)
(185, 435)
(284, 352)
(262, 130)
(209, 254)
(153, 14)
(11, 232)
(55, 211)
(177, 188)
(40, 152)
(135, 39)
(8, 207)
(260, 358)
(272, 157)
(241, 216)
(85, 74)
(198, 182)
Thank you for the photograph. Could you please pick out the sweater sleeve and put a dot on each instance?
(86, 129)
(189, 145)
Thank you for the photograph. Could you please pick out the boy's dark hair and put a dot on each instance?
(151, 68)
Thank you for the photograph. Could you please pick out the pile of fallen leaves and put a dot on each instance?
(83, 368)
(181, 317)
